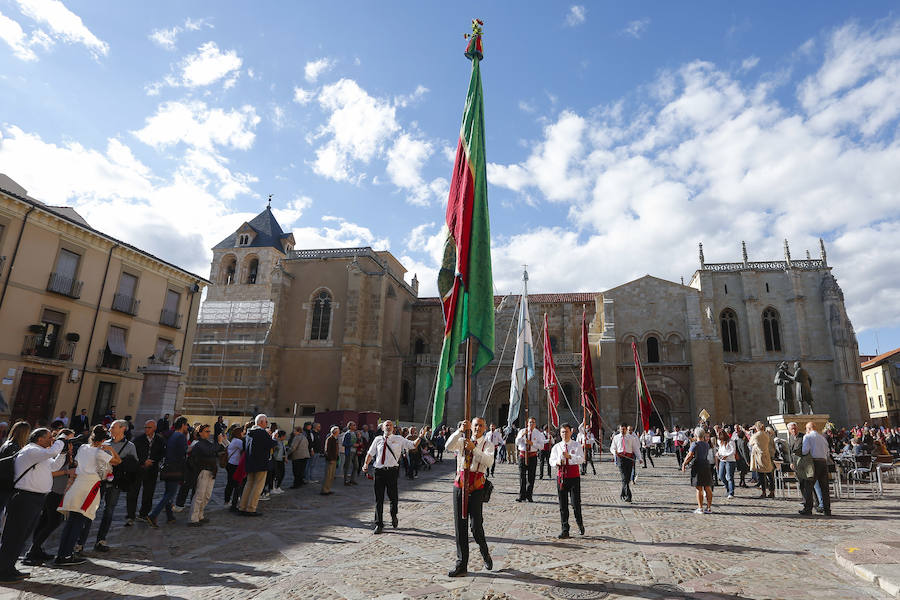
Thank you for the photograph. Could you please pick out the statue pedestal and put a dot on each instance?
(779, 422)
(159, 392)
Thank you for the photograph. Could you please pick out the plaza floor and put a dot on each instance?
(315, 547)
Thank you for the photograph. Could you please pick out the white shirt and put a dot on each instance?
(65, 420)
(575, 450)
(91, 460)
(537, 440)
(46, 460)
(626, 443)
(234, 451)
(482, 455)
(396, 445)
(495, 437)
(646, 439)
(586, 438)
(815, 443)
(726, 451)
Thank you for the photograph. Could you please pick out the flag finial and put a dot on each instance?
(474, 48)
(524, 272)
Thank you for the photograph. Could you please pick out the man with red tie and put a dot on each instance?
(566, 456)
(385, 453)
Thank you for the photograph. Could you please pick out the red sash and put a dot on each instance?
(527, 454)
(476, 480)
(568, 471)
(90, 497)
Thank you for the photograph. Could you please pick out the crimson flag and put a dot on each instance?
(588, 389)
(551, 382)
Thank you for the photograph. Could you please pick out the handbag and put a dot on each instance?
(805, 467)
(487, 490)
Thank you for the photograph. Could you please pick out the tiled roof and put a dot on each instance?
(574, 297)
(268, 233)
(880, 357)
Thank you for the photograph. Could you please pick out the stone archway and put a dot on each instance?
(497, 404)
(671, 400)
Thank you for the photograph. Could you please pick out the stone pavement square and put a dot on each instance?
(314, 547)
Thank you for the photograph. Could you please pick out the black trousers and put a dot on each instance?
(766, 481)
(679, 455)
(588, 459)
(808, 486)
(626, 469)
(647, 453)
(544, 459)
(231, 486)
(385, 479)
(476, 503)
(570, 491)
(47, 524)
(527, 470)
(298, 467)
(22, 513)
(145, 484)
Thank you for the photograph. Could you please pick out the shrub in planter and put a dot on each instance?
(72, 337)
(36, 328)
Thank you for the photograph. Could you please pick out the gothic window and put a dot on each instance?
(321, 317)
(652, 350)
(252, 271)
(230, 269)
(420, 346)
(771, 331)
(728, 321)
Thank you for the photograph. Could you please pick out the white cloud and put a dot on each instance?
(11, 33)
(577, 15)
(63, 24)
(405, 100)
(405, 160)
(338, 232)
(167, 38)
(749, 63)
(358, 128)
(197, 125)
(315, 68)
(208, 65)
(636, 28)
(707, 157)
(302, 96)
(527, 107)
(287, 217)
(279, 117)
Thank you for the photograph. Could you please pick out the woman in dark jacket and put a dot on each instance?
(743, 455)
(204, 463)
(15, 441)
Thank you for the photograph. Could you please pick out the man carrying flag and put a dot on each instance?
(551, 381)
(529, 442)
(466, 288)
(566, 456)
(588, 441)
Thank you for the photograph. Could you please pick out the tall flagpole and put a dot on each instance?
(527, 321)
(467, 403)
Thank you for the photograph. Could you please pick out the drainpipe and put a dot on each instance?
(194, 289)
(87, 353)
(12, 261)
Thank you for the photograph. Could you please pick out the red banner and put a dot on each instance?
(588, 389)
(551, 382)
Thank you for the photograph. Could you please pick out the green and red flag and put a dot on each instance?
(588, 388)
(642, 392)
(465, 282)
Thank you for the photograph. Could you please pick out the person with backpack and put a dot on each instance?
(50, 517)
(31, 481)
(16, 439)
(120, 479)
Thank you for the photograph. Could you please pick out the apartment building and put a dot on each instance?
(882, 377)
(81, 312)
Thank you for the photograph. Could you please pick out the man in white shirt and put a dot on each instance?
(626, 448)
(482, 457)
(385, 452)
(588, 441)
(566, 456)
(33, 479)
(529, 441)
(815, 444)
(495, 436)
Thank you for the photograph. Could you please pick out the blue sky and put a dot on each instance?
(619, 134)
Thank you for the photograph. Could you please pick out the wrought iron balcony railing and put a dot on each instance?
(113, 362)
(125, 304)
(170, 319)
(36, 345)
(67, 286)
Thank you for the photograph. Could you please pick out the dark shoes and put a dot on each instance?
(394, 521)
(68, 561)
(457, 571)
(581, 529)
(101, 547)
(805, 512)
(564, 535)
(194, 524)
(520, 499)
(245, 513)
(14, 576)
(153, 522)
(32, 561)
(530, 499)
(378, 529)
(488, 561)
(771, 494)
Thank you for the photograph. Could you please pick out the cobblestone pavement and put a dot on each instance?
(315, 547)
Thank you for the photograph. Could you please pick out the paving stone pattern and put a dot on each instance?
(315, 547)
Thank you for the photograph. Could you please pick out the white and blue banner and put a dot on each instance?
(523, 363)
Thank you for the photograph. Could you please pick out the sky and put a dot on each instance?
(619, 135)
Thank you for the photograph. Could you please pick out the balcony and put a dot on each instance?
(170, 318)
(37, 346)
(125, 304)
(113, 362)
(66, 286)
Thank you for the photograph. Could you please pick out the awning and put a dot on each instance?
(115, 341)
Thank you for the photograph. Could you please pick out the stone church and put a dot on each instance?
(341, 329)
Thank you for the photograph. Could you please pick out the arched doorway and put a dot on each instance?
(661, 415)
(497, 408)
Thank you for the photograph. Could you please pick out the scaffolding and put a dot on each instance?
(229, 365)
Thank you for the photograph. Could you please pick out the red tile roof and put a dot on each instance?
(880, 357)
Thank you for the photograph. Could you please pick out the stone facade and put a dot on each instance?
(380, 348)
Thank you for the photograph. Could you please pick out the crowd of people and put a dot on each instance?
(68, 473)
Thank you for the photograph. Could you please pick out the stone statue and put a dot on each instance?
(802, 389)
(783, 391)
(168, 356)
